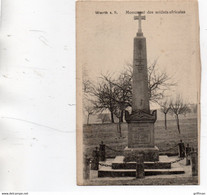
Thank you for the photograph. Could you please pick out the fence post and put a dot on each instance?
(181, 147)
(194, 162)
(86, 168)
(187, 151)
(102, 151)
(95, 160)
(140, 166)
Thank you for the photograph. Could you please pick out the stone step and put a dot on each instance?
(106, 169)
(163, 163)
(132, 172)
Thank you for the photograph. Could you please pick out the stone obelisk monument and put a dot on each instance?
(141, 120)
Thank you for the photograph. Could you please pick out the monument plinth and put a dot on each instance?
(141, 120)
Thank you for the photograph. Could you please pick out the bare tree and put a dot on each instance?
(178, 107)
(119, 110)
(165, 108)
(89, 110)
(122, 95)
(86, 86)
(102, 97)
(122, 92)
(118, 115)
(112, 93)
(158, 83)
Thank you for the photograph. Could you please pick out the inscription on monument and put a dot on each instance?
(141, 134)
(139, 64)
(143, 138)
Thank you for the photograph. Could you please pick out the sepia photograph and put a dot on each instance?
(138, 92)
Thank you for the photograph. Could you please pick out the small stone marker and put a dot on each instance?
(181, 147)
(140, 166)
(187, 151)
(194, 162)
(86, 169)
(102, 151)
(95, 160)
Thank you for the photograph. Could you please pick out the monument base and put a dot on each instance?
(149, 154)
(118, 168)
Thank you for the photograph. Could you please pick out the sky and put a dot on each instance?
(105, 41)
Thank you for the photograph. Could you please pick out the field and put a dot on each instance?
(93, 134)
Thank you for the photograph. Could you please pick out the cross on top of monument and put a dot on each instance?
(140, 18)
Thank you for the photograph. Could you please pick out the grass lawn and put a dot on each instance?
(93, 134)
(145, 181)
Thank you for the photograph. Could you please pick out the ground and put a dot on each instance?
(165, 140)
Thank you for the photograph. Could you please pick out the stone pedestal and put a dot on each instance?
(141, 136)
(149, 154)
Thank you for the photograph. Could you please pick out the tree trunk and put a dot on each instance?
(122, 116)
(165, 121)
(88, 119)
(119, 127)
(112, 117)
(178, 125)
